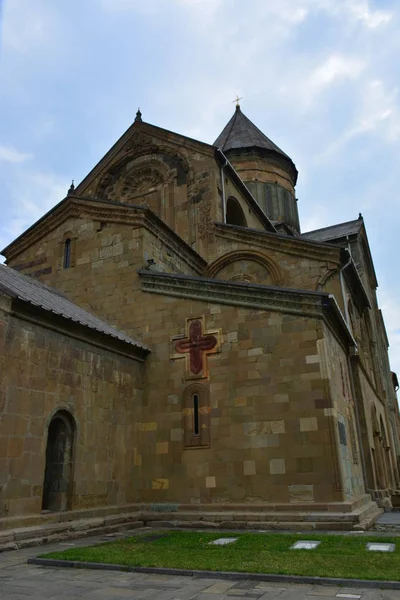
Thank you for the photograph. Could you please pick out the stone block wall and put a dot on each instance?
(43, 371)
(270, 439)
(343, 413)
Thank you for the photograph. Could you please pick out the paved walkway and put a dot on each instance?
(20, 581)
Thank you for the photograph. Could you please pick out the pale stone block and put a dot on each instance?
(148, 426)
(215, 310)
(210, 482)
(255, 351)
(252, 428)
(301, 493)
(277, 427)
(281, 397)
(240, 401)
(118, 249)
(123, 264)
(176, 435)
(249, 467)
(277, 466)
(162, 448)
(232, 336)
(313, 358)
(160, 484)
(330, 412)
(173, 399)
(308, 424)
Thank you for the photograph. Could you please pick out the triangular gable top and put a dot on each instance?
(141, 128)
(341, 232)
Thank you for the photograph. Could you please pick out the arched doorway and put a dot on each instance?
(234, 213)
(58, 470)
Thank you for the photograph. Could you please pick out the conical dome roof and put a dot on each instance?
(240, 132)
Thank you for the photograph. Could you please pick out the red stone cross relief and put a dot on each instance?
(197, 346)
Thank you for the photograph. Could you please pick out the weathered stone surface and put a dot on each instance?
(272, 421)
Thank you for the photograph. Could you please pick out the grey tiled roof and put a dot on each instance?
(36, 293)
(240, 132)
(333, 232)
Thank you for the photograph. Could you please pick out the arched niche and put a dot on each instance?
(247, 266)
(57, 484)
(234, 213)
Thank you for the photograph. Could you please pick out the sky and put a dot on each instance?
(319, 77)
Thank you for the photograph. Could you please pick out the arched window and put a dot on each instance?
(234, 213)
(67, 253)
(196, 425)
(196, 416)
(57, 485)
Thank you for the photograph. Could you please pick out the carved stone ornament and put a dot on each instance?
(137, 139)
(195, 346)
(141, 180)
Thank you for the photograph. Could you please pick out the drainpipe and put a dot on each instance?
(223, 192)
(353, 391)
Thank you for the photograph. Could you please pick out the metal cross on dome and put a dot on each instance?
(196, 346)
(237, 100)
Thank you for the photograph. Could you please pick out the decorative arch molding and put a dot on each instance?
(64, 410)
(144, 175)
(237, 255)
(155, 163)
(325, 277)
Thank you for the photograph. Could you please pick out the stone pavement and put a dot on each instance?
(20, 581)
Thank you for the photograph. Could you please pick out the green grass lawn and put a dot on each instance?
(336, 556)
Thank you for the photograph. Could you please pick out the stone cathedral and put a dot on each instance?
(174, 349)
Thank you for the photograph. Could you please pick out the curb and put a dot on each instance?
(359, 583)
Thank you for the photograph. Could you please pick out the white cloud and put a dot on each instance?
(335, 68)
(149, 7)
(371, 18)
(378, 114)
(32, 195)
(8, 154)
(28, 25)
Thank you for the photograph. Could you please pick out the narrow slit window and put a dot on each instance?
(196, 417)
(67, 254)
(196, 429)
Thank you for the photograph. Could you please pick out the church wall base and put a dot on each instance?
(35, 530)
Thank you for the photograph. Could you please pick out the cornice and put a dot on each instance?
(110, 212)
(249, 295)
(273, 241)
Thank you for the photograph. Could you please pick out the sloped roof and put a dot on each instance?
(240, 132)
(37, 294)
(333, 232)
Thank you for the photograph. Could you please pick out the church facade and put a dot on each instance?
(173, 347)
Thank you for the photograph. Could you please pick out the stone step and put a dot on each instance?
(72, 525)
(26, 537)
